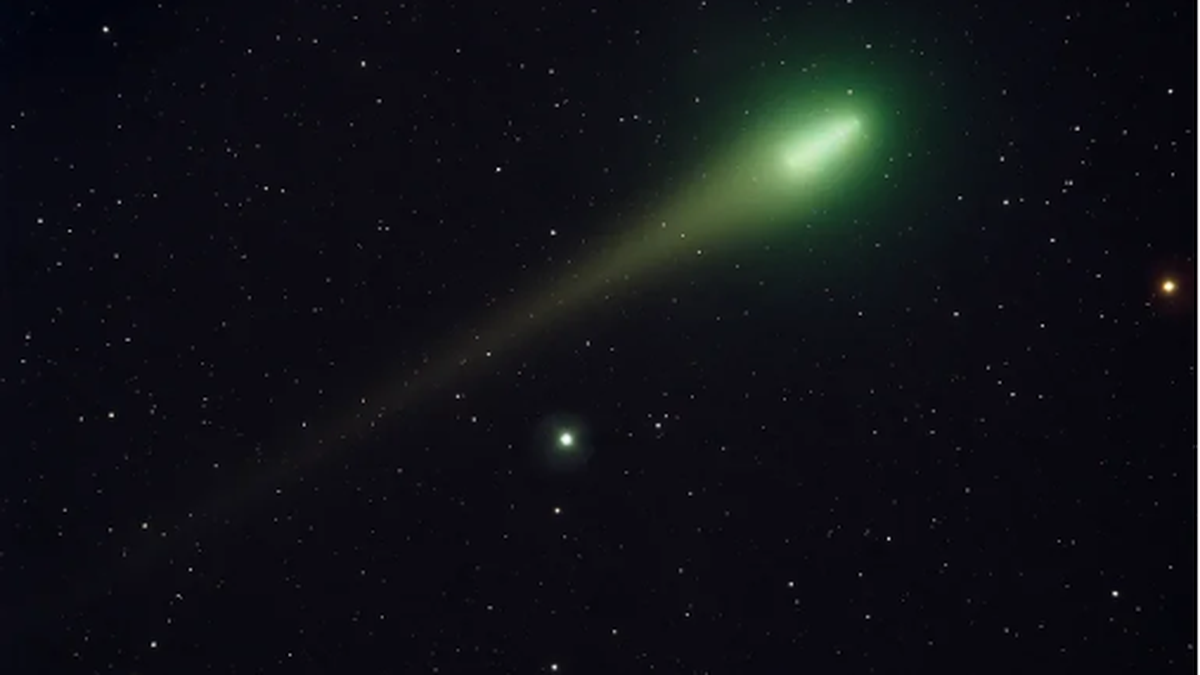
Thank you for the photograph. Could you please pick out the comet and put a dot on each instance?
(768, 175)
(762, 180)
(767, 178)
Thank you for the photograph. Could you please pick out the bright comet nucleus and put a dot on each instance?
(566, 439)
(814, 151)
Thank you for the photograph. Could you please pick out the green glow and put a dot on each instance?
(814, 151)
(566, 440)
(790, 157)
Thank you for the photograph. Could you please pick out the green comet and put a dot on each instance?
(771, 174)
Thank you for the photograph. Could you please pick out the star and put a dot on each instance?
(563, 443)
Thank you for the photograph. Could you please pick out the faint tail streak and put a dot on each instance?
(710, 211)
(624, 259)
(761, 179)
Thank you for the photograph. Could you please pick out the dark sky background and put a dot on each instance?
(944, 423)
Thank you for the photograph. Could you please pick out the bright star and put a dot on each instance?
(563, 442)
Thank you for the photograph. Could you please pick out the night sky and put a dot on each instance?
(276, 401)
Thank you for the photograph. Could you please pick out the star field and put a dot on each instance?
(939, 415)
